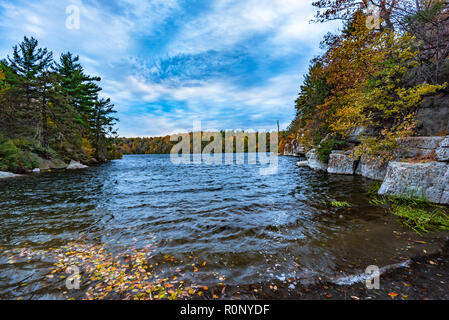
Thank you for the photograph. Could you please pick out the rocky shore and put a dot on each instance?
(47, 165)
(420, 168)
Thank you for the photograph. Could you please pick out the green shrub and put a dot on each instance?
(34, 147)
(14, 159)
(326, 148)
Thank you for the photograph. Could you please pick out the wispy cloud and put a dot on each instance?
(233, 64)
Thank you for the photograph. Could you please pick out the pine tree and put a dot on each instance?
(31, 65)
(102, 125)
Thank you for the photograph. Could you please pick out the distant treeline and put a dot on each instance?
(51, 110)
(164, 145)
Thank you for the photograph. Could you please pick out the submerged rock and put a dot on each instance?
(314, 162)
(428, 180)
(341, 162)
(74, 165)
(442, 153)
(6, 175)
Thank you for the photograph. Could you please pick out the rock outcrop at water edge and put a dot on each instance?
(74, 165)
(7, 175)
(342, 162)
(418, 180)
(314, 161)
(372, 169)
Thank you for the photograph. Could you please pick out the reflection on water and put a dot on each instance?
(249, 228)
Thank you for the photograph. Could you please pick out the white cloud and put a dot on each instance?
(231, 22)
(111, 44)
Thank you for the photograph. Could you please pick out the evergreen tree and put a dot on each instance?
(31, 65)
(102, 125)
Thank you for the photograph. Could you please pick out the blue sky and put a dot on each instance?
(167, 63)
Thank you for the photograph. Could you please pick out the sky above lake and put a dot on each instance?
(166, 63)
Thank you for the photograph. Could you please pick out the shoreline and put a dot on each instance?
(423, 277)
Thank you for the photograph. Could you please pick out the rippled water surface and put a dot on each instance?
(247, 227)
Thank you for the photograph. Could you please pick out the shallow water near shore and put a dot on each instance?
(217, 223)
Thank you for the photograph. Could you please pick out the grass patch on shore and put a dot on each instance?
(415, 212)
(373, 189)
(422, 220)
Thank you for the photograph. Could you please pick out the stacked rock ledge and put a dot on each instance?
(342, 162)
(314, 162)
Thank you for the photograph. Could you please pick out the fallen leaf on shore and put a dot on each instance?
(393, 295)
(355, 298)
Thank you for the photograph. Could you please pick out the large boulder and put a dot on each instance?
(341, 162)
(6, 175)
(442, 153)
(314, 161)
(429, 180)
(372, 169)
(52, 164)
(74, 165)
(302, 164)
(412, 147)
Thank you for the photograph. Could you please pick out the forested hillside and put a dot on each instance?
(51, 110)
(370, 82)
(163, 145)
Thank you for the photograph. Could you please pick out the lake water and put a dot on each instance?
(239, 226)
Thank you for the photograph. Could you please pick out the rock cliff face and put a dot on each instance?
(433, 116)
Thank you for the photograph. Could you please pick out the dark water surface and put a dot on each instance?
(247, 227)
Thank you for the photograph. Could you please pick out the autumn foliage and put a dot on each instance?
(363, 80)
